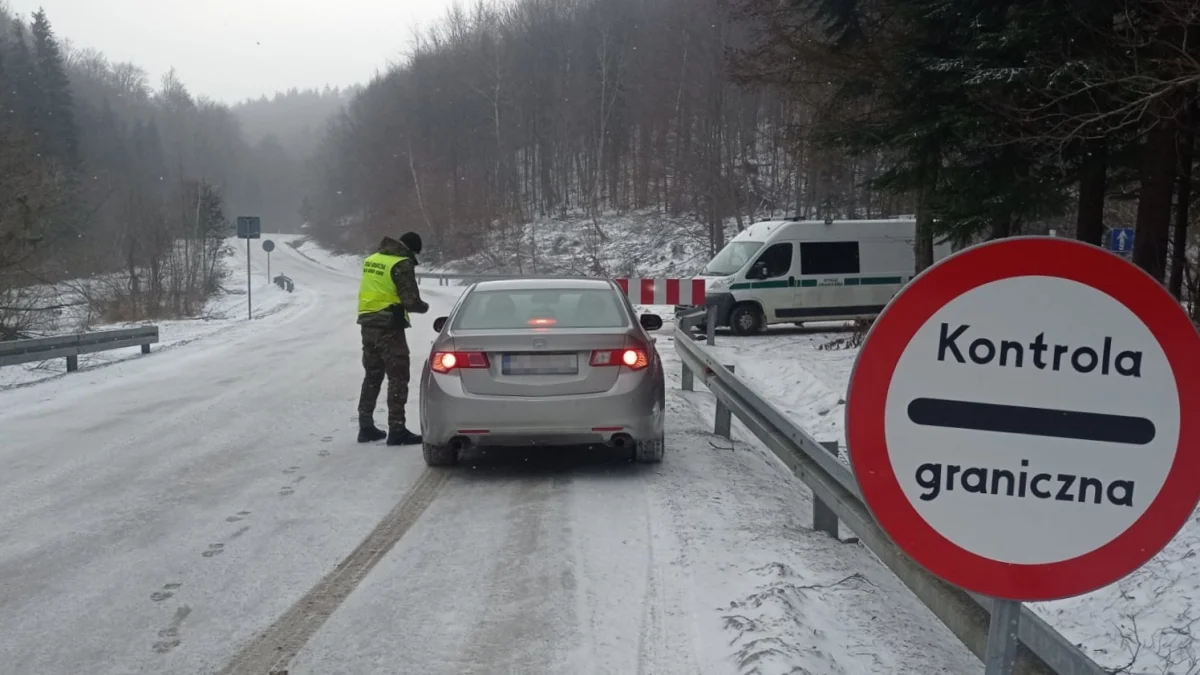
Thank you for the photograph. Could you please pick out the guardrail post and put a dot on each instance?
(723, 426)
(711, 326)
(72, 364)
(146, 348)
(688, 379)
(824, 519)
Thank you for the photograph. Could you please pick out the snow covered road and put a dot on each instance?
(206, 510)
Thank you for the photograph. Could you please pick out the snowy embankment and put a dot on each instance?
(344, 263)
(639, 244)
(224, 312)
(1146, 623)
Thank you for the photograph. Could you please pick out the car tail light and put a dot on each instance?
(633, 358)
(542, 323)
(444, 362)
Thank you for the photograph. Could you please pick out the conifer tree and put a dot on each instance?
(57, 115)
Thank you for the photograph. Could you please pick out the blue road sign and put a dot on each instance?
(249, 227)
(1120, 240)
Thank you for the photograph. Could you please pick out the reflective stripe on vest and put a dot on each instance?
(378, 291)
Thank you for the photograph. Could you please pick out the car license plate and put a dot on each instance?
(540, 364)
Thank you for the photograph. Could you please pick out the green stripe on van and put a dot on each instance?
(813, 283)
(782, 283)
(874, 281)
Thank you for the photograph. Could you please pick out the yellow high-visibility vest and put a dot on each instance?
(377, 291)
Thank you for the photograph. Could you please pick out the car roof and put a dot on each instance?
(545, 284)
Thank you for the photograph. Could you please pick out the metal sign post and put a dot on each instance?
(1002, 637)
(249, 227)
(268, 246)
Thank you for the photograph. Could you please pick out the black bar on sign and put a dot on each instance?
(1014, 419)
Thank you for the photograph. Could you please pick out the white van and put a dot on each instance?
(797, 271)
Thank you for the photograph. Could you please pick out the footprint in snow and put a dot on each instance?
(287, 490)
(166, 592)
(214, 549)
(240, 515)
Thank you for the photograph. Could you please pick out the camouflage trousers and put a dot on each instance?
(384, 353)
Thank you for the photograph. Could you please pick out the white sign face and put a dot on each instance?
(1032, 420)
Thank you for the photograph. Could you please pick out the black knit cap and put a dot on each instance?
(412, 240)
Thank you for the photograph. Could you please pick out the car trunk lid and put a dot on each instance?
(540, 362)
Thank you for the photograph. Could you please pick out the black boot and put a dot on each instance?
(368, 432)
(402, 436)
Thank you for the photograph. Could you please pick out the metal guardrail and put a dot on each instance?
(836, 496)
(71, 346)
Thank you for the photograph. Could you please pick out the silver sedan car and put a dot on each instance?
(543, 362)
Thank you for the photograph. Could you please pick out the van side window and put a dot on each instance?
(829, 257)
(776, 261)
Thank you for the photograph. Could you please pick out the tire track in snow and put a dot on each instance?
(273, 650)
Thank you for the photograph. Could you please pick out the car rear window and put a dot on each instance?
(491, 310)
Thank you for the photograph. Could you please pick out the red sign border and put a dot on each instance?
(916, 303)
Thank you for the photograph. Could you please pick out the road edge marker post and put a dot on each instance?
(1085, 364)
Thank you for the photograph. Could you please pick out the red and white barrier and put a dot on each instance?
(663, 291)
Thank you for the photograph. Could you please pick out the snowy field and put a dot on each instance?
(167, 511)
(225, 312)
(1145, 624)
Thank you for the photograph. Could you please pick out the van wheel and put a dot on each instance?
(746, 319)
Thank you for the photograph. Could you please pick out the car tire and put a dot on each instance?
(746, 319)
(439, 455)
(649, 452)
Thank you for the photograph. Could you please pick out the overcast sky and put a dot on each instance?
(235, 49)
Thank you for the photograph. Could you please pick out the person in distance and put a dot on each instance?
(387, 295)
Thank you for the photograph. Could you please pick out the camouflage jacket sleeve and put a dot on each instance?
(404, 275)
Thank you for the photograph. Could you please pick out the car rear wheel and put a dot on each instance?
(439, 455)
(649, 452)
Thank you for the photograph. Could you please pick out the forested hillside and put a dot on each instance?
(124, 189)
(987, 118)
(283, 130)
(539, 108)
(696, 117)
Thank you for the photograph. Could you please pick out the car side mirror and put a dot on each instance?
(651, 321)
(439, 323)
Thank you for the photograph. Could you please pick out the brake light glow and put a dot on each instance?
(541, 323)
(632, 358)
(444, 362)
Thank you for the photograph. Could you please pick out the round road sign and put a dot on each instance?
(268, 245)
(1014, 418)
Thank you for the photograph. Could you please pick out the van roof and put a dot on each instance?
(765, 230)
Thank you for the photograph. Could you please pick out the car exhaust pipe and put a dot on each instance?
(622, 441)
(459, 443)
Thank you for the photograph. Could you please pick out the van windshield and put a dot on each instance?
(732, 258)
